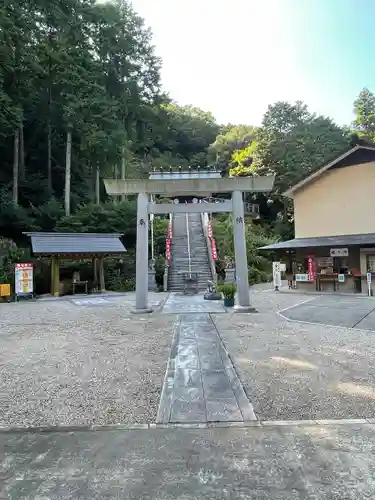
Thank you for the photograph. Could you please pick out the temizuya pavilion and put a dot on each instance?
(75, 246)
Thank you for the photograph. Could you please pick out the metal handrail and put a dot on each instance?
(188, 240)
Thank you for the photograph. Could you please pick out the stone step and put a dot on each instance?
(199, 262)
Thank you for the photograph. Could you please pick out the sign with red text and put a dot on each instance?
(24, 279)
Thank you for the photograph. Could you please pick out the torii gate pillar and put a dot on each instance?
(141, 283)
(242, 278)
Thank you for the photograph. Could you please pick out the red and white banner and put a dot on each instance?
(169, 234)
(209, 229)
(310, 268)
(168, 249)
(214, 253)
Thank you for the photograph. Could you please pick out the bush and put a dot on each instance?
(120, 283)
(110, 217)
(228, 290)
(259, 265)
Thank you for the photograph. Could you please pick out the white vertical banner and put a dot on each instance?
(276, 272)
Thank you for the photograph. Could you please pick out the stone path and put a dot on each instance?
(178, 303)
(201, 384)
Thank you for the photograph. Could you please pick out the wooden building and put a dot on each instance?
(334, 215)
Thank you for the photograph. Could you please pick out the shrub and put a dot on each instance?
(228, 290)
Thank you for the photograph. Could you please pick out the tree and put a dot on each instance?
(232, 138)
(364, 109)
(76, 76)
(291, 143)
(256, 236)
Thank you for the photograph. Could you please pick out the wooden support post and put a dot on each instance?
(101, 274)
(56, 280)
(52, 274)
(95, 272)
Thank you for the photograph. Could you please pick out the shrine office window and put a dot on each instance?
(370, 263)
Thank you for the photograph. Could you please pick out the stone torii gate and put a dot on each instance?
(190, 187)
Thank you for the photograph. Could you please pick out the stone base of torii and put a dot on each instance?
(186, 187)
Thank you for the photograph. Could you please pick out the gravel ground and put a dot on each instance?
(65, 364)
(294, 371)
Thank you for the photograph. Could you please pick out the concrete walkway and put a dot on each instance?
(309, 462)
(201, 384)
(177, 303)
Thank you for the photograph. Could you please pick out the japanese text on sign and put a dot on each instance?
(24, 279)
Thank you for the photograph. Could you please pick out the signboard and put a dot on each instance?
(302, 277)
(325, 262)
(24, 279)
(339, 252)
(4, 290)
(369, 280)
(276, 274)
(341, 278)
(310, 267)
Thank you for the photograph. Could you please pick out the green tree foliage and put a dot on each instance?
(364, 110)
(291, 143)
(87, 69)
(181, 136)
(232, 139)
(259, 266)
(105, 218)
(78, 65)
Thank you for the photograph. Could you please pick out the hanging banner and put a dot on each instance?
(209, 229)
(276, 272)
(169, 234)
(24, 279)
(168, 250)
(310, 267)
(214, 253)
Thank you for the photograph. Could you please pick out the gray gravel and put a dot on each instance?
(294, 371)
(70, 365)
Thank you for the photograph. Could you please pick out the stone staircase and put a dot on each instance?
(180, 255)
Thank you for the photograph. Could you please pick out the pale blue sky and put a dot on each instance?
(234, 57)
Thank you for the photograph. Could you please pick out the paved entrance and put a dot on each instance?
(349, 312)
(258, 463)
(178, 303)
(201, 384)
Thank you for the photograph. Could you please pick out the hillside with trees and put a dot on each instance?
(81, 100)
